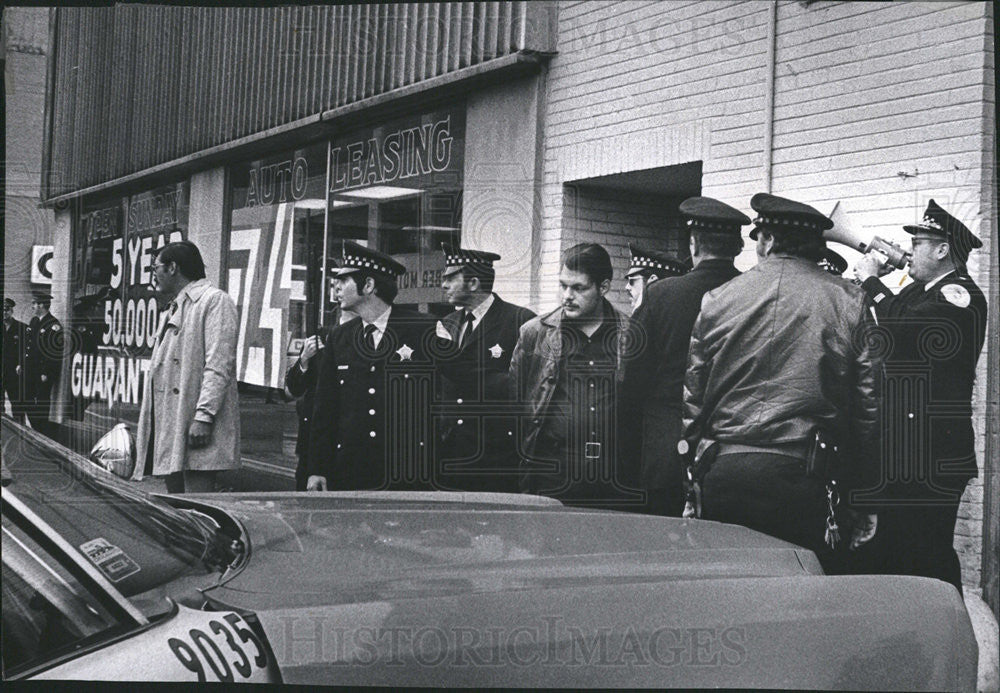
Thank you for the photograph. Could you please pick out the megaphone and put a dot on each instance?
(843, 232)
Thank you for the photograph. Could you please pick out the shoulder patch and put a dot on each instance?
(956, 294)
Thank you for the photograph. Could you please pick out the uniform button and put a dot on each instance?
(592, 384)
(406, 375)
(338, 446)
(459, 422)
(535, 421)
(372, 369)
(342, 382)
(459, 400)
(510, 433)
(371, 391)
(421, 443)
(371, 434)
(305, 418)
(910, 415)
(591, 363)
(371, 412)
(593, 409)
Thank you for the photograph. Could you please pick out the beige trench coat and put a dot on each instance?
(192, 375)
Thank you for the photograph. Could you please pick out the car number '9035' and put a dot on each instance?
(216, 650)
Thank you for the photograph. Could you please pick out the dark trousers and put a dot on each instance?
(302, 473)
(919, 540)
(771, 494)
(37, 411)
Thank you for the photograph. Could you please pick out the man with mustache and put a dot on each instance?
(476, 446)
(566, 370)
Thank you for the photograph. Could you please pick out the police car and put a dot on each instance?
(102, 581)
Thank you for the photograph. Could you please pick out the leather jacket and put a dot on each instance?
(535, 363)
(780, 351)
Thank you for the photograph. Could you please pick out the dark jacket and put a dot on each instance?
(534, 368)
(653, 390)
(371, 424)
(780, 351)
(43, 354)
(302, 384)
(476, 439)
(935, 338)
(14, 343)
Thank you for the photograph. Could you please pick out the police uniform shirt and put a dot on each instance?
(370, 429)
(43, 353)
(938, 330)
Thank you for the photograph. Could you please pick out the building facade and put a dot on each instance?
(28, 228)
(267, 136)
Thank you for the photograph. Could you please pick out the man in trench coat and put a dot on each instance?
(189, 420)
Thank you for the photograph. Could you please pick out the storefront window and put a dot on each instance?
(114, 315)
(400, 185)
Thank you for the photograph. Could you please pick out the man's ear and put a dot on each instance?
(943, 251)
(474, 283)
(651, 278)
(604, 287)
(369, 287)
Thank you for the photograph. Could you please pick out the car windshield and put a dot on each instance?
(145, 547)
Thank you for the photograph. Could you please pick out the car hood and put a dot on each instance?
(446, 589)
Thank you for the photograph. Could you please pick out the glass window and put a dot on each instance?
(403, 181)
(45, 610)
(115, 314)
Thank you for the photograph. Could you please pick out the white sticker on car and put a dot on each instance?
(109, 559)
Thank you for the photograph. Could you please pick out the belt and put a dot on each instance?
(797, 450)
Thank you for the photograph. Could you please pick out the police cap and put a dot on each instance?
(660, 264)
(780, 213)
(458, 259)
(356, 257)
(937, 222)
(709, 214)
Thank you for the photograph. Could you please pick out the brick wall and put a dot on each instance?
(880, 106)
(613, 219)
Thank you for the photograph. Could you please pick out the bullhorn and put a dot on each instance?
(844, 233)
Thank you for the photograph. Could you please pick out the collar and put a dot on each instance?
(479, 311)
(380, 322)
(192, 291)
(928, 285)
(713, 263)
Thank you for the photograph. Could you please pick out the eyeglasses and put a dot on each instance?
(158, 265)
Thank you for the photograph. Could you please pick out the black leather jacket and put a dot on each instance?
(780, 351)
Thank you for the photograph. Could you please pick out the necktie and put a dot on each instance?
(466, 328)
(370, 336)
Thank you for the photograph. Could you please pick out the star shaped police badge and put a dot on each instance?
(405, 353)
(496, 351)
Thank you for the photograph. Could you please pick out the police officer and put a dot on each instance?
(14, 343)
(938, 327)
(300, 382)
(647, 266)
(777, 361)
(661, 327)
(833, 262)
(42, 362)
(477, 447)
(371, 419)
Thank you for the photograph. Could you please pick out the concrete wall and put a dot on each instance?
(206, 218)
(881, 106)
(499, 186)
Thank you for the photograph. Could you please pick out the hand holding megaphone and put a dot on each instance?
(874, 263)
